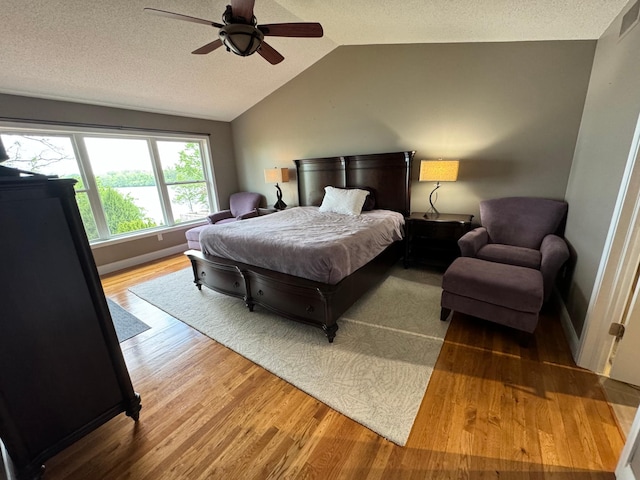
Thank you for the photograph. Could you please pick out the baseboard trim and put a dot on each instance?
(147, 257)
(569, 330)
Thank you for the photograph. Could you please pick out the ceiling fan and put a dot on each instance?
(241, 34)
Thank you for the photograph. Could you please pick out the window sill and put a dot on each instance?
(147, 233)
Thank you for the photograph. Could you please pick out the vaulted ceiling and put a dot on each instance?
(113, 53)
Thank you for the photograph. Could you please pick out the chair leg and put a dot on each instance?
(444, 314)
(525, 339)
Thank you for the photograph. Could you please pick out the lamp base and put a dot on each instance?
(279, 205)
(433, 211)
(432, 214)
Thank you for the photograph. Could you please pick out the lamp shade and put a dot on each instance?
(276, 175)
(439, 170)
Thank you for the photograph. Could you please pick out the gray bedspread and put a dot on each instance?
(301, 241)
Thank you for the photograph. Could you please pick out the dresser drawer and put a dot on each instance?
(222, 279)
(305, 305)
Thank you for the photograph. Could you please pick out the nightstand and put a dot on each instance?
(433, 240)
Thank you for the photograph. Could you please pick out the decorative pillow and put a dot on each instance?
(370, 201)
(345, 201)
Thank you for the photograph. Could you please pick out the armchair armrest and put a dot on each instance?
(251, 214)
(472, 241)
(554, 253)
(221, 215)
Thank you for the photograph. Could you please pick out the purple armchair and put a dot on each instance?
(242, 205)
(521, 231)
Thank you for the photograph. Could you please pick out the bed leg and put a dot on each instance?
(330, 331)
(249, 303)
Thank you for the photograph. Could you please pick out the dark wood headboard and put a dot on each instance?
(387, 174)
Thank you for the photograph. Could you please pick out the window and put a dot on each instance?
(182, 172)
(126, 184)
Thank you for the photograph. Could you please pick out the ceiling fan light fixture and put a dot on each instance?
(241, 39)
(241, 33)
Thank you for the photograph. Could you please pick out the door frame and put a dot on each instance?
(617, 269)
(623, 469)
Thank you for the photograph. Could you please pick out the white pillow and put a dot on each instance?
(346, 201)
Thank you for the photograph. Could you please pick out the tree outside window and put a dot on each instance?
(185, 179)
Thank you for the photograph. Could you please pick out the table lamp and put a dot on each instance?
(437, 171)
(277, 175)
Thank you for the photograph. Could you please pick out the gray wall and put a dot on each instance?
(510, 111)
(610, 116)
(27, 108)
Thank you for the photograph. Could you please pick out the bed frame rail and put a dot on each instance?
(295, 298)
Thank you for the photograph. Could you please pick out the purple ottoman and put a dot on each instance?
(193, 236)
(501, 293)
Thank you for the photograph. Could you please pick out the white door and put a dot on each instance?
(629, 464)
(616, 298)
(625, 361)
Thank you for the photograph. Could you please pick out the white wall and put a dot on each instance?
(606, 131)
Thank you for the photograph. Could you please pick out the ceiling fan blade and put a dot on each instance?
(292, 29)
(271, 55)
(243, 8)
(179, 16)
(208, 48)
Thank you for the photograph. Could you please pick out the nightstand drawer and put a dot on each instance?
(443, 231)
(434, 240)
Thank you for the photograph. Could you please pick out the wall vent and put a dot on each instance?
(630, 19)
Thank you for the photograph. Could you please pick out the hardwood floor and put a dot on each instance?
(492, 410)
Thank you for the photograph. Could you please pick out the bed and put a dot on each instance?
(316, 300)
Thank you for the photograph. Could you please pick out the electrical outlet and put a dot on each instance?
(159, 237)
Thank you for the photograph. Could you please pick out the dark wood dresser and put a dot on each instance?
(433, 240)
(62, 373)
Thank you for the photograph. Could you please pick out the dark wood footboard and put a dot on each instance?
(295, 298)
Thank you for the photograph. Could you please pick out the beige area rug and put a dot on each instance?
(377, 369)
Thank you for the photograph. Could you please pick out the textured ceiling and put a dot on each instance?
(112, 53)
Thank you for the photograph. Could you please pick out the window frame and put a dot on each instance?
(77, 134)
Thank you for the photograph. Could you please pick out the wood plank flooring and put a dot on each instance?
(493, 410)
